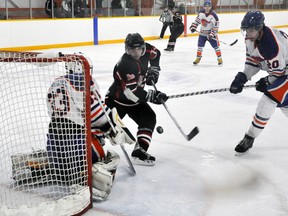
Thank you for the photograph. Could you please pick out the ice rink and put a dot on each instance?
(201, 177)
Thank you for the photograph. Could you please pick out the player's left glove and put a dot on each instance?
(262, 84)
(152, 75)
(156, 97)
(210, 36)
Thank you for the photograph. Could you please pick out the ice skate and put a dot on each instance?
(141, 157)
(220, 61)
(169, 49)
(244, 145)
(197, 60)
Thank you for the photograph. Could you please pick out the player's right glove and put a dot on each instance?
(238, 83)
(193, 27)
(156, 97)
(152, 75)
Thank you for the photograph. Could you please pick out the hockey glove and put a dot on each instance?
(156, 97)
(262, 84)
(238, 83)
(193, 28)
(152, 75)
(210, 36)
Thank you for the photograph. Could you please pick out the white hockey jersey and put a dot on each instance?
(269, 54)
(65, 99)
(209, 22)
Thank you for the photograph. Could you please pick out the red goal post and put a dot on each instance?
(31, 183)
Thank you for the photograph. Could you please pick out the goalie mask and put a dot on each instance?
(73, 67)
(135, 45)
(252, 24)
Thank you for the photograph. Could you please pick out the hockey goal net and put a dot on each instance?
(34, 180)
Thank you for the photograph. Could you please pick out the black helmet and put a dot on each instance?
(253, 19)
(134, 40)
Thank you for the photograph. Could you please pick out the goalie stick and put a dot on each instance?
(131, 167)
(204, 92)
(231, 44)
(194, 131)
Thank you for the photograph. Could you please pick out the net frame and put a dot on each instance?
(7, 57)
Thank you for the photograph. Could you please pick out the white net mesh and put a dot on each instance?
(43, 138)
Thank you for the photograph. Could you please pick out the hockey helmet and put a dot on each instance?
(73, 67)
(135, 45)
(253, 20)
(207, 3)
(134, 40)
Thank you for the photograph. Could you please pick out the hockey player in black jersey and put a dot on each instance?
(176, 30)
(138, 66)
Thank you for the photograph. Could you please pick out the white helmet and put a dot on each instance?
(73, 67)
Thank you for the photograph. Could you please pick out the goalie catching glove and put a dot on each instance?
(121, 134)
(152, 75)
(156, 97)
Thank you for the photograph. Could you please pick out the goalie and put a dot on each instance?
(66, 137)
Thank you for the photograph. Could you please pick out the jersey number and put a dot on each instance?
(274, 64)
(59, 101)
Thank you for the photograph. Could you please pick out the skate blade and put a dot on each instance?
(137, 161)
(239, 154)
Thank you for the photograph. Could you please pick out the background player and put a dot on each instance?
(167, 19)
(176, 30)
(127, 92)
(266, 49)
(209, 21)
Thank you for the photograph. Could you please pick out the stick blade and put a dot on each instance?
(193, 133)
(234, 42)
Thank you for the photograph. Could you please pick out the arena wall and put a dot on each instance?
(22, 35)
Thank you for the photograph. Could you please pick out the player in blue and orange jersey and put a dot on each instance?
(266, 49)
(209, 22)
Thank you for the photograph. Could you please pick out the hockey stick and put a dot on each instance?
(131, 167)
(231, 44)
(194, 131)
(204, 92)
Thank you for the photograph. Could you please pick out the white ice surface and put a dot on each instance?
(201, 177)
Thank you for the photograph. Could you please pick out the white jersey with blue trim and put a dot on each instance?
(65, 99)
(270, 53)
(209, 22)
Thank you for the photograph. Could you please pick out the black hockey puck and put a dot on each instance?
(159, 129)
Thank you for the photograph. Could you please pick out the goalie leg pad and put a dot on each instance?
(103, 174)
(31, 167)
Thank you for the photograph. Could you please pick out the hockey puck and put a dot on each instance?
(159, 129)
